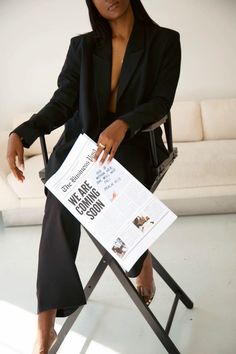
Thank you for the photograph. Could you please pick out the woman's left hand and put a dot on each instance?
(110, 139)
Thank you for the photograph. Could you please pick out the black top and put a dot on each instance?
(147, 86)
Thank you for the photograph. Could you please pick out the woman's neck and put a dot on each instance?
(122, 27)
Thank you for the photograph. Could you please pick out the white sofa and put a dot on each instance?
(23, 203)
(201, 180)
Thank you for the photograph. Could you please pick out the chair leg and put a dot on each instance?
(102, 265)
(108, 260)
(160, 332)
(171, 283)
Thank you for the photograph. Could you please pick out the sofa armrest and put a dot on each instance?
(8, 198)
(4, 168)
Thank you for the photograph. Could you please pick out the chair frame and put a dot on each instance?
(107, 260)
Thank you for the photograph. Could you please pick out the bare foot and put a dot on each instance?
(43, 343)
(144, 282)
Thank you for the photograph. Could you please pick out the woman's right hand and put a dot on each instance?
(15, 156)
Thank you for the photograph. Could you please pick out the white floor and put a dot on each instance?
(199, 252)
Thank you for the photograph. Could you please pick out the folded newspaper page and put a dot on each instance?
(123, 215)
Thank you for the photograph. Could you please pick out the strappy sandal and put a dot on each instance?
(146, 294)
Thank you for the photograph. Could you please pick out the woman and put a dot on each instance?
(115, 80)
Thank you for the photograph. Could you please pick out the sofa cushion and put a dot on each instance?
(35, 148)
(32, 187)
(203, 200)
(186, 121)
(219, 119)
(202, 164)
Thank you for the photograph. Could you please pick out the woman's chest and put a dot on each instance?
(118, 53)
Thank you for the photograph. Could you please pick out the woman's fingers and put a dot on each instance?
(15, 152)
(102, 150)
(112, 154)
(18, 174)
(110, 139)
(20, 157)
(105, 153)
(105, 150)
(104, 156)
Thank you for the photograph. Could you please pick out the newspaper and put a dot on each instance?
(123, 215)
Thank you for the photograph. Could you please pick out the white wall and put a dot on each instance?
(35, 34)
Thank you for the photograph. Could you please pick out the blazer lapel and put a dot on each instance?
(133, 54)
(102, 60)
(102, 65)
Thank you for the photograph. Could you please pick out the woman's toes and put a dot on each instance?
(144, 282)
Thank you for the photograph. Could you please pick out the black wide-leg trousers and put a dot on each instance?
(58, 282)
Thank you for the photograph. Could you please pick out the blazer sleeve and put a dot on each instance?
(161, 99)
(63, 103)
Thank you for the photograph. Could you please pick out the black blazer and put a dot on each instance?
(147, 86)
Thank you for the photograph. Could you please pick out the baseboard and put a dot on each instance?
(22, 216)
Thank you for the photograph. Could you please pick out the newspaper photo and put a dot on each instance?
(122, 214)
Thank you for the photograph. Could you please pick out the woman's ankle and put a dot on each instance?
(46, 321)
(44, 341)
(46, 333)
(146, 274)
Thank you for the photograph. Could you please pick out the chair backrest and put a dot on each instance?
(168, 133)
(160, 169)
(45, 157)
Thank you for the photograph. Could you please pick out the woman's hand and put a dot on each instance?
(110, 139)
(15, 150)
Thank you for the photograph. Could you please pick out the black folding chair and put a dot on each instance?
(159, 170)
